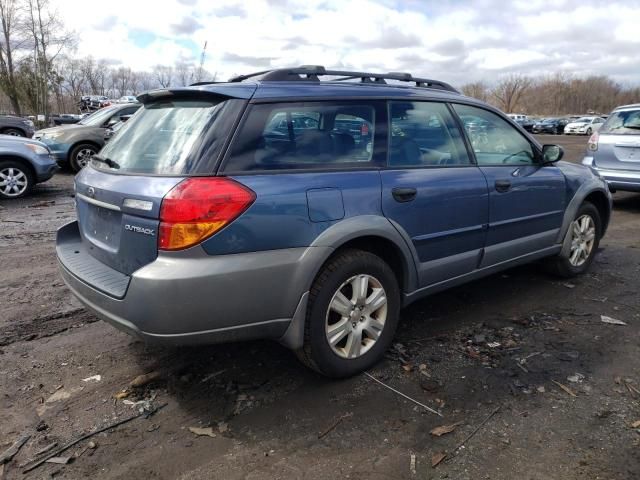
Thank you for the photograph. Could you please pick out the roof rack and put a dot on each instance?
(311, 73)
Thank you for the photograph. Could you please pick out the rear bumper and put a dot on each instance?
(191, 297)
(624, 180)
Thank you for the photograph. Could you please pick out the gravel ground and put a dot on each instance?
(496, 346)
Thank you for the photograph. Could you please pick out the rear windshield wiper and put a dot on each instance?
(107, 161)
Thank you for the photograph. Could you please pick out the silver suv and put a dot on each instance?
(614, 151)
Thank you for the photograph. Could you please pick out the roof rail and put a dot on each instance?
(311, 73)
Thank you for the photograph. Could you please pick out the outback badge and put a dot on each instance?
(136, 229)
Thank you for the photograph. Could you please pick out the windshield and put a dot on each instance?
(167, 137)
(99, 118)
(550, 120)
(583, 120)
(625, 122)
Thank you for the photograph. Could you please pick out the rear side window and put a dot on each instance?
(310, 135)
(424, 134)
(172, 137)
(624, 122)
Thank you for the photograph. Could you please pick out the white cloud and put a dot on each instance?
(454, 41)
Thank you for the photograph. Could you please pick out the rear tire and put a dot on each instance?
(585, 231)
(16, 180)
(80, 156)
(355, 301)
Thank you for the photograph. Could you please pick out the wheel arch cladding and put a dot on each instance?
(601, 202)
(383, 248)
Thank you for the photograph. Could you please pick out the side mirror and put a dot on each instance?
(112, 122)
(552, 153)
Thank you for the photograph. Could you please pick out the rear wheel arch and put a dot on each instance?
(382, 247)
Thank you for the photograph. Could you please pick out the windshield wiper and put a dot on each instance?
(107, 161)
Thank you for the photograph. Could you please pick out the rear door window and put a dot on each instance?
(623, 122)
(172, 137)
(310, 135)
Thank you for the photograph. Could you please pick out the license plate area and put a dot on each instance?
(103, 227)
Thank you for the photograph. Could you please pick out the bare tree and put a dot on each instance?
(184, 73)
(164, 75)
(146, 81)
(477, 90)
(49, 40)
(509, 91)
(8, 42)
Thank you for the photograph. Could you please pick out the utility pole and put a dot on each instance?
(202, 57)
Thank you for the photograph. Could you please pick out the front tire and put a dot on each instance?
(585, 232)
(589, 131)
(352, 314)
(15, 179)
(81, 155)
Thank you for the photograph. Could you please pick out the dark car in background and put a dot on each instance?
(23, 163)
(65, 119)
(16, 126)
(526, 123)
(554, 126)
(75, 144)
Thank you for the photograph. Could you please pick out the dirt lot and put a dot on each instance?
(267, 412)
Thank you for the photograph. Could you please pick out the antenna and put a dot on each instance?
(202, 57)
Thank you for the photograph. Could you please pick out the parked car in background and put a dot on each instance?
(127, 99)
(16, 126)
(23, 163)
(583, 126)
(75, 144)
(614, 150)
(196, 227)
(554, 126)
(65, 119)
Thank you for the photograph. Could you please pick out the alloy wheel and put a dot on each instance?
(13, 182)
(84, 156)
(583, 235)
(356, 316)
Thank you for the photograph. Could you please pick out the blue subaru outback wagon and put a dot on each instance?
(309, 206)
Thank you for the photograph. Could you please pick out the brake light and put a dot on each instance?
(197, 208)
(592, 145)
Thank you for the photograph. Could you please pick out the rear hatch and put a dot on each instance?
(618, 141)
(178, 134)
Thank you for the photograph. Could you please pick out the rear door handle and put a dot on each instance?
(404, 194)
(503, 185)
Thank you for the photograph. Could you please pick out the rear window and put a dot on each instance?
(313, 135)
(172, 137)
(623, 122)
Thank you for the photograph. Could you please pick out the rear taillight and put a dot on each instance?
(592, 145)
(197, 208)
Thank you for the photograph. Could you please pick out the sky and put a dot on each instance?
(452, 40)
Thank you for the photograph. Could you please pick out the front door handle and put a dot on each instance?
(503, 185)
(404, 194)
